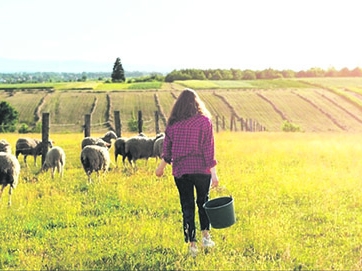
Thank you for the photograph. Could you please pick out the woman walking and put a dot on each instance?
(189, 147)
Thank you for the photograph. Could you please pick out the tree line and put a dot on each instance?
(236, 74)
(118, 74)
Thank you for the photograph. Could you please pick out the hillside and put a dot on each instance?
(315, 105)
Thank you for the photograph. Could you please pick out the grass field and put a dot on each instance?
(297, 198)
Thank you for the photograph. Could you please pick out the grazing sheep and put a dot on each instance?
(120, 149)
(89, 141)
(9, 172)
(141, 147)
(95, 158)
(105, 141)
(5, 146)
(30, 146)
(158, 147)
(55, 158)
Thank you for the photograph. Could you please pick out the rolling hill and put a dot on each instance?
(314, 105)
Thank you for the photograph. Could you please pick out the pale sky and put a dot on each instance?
(180, 34)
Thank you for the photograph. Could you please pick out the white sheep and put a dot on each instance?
(30, 146)
(5, 146)
(9, 172)
(105, 141)
(141, 147)
(55, 159)
(95, 158)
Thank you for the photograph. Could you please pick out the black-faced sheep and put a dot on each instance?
(105, 141)
(141, 147)
(95, 158)
(55, 159)
(5, 146)
(9, 172)
(30, 146)
(120, 149)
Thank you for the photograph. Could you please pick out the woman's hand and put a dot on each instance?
(214, 182)
(214, 178)
(160, 169)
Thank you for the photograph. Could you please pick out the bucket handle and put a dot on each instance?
(219, 190)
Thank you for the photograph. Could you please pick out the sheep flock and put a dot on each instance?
(94, 156)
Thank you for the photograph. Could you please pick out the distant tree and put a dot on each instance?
(8, 117)
(357, 72)
(288, 73)
(249, 75)
(344, 72)
(237, 74)
(331, 72)
(216, 75)
(118, 71)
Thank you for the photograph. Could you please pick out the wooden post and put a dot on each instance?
(231, 123)
(241, 124)
(157, 126)
(217, 123)
(87, 125)
(140, 121)
(117, 123)
(45, 136)
(223, 122)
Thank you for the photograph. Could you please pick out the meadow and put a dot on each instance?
(297, 198)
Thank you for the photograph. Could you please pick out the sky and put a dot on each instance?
(163, 35)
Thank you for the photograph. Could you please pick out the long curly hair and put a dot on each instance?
(187, 105)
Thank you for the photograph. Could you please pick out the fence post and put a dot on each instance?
(45, 136)
(140, 121)
(156, 123)
(87, 124)
(251, 125)
(231, 123)
(217, 123)
(117, 123)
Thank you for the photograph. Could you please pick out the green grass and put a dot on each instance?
(297, 200)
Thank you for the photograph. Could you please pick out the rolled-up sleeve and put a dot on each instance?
(209, 146)
(167, 147)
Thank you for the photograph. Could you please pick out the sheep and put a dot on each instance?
(120, 149)
(30, 146)
(158, 147)
(106, 140)
(88, 141)
(9, 172)
(141, 147)
(95, 158)
(5, 146)
(55, 158)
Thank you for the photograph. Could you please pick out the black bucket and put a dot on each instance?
(220, 212)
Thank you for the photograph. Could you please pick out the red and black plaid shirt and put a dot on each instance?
(189, 146)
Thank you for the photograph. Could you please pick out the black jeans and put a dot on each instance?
(185, 185)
